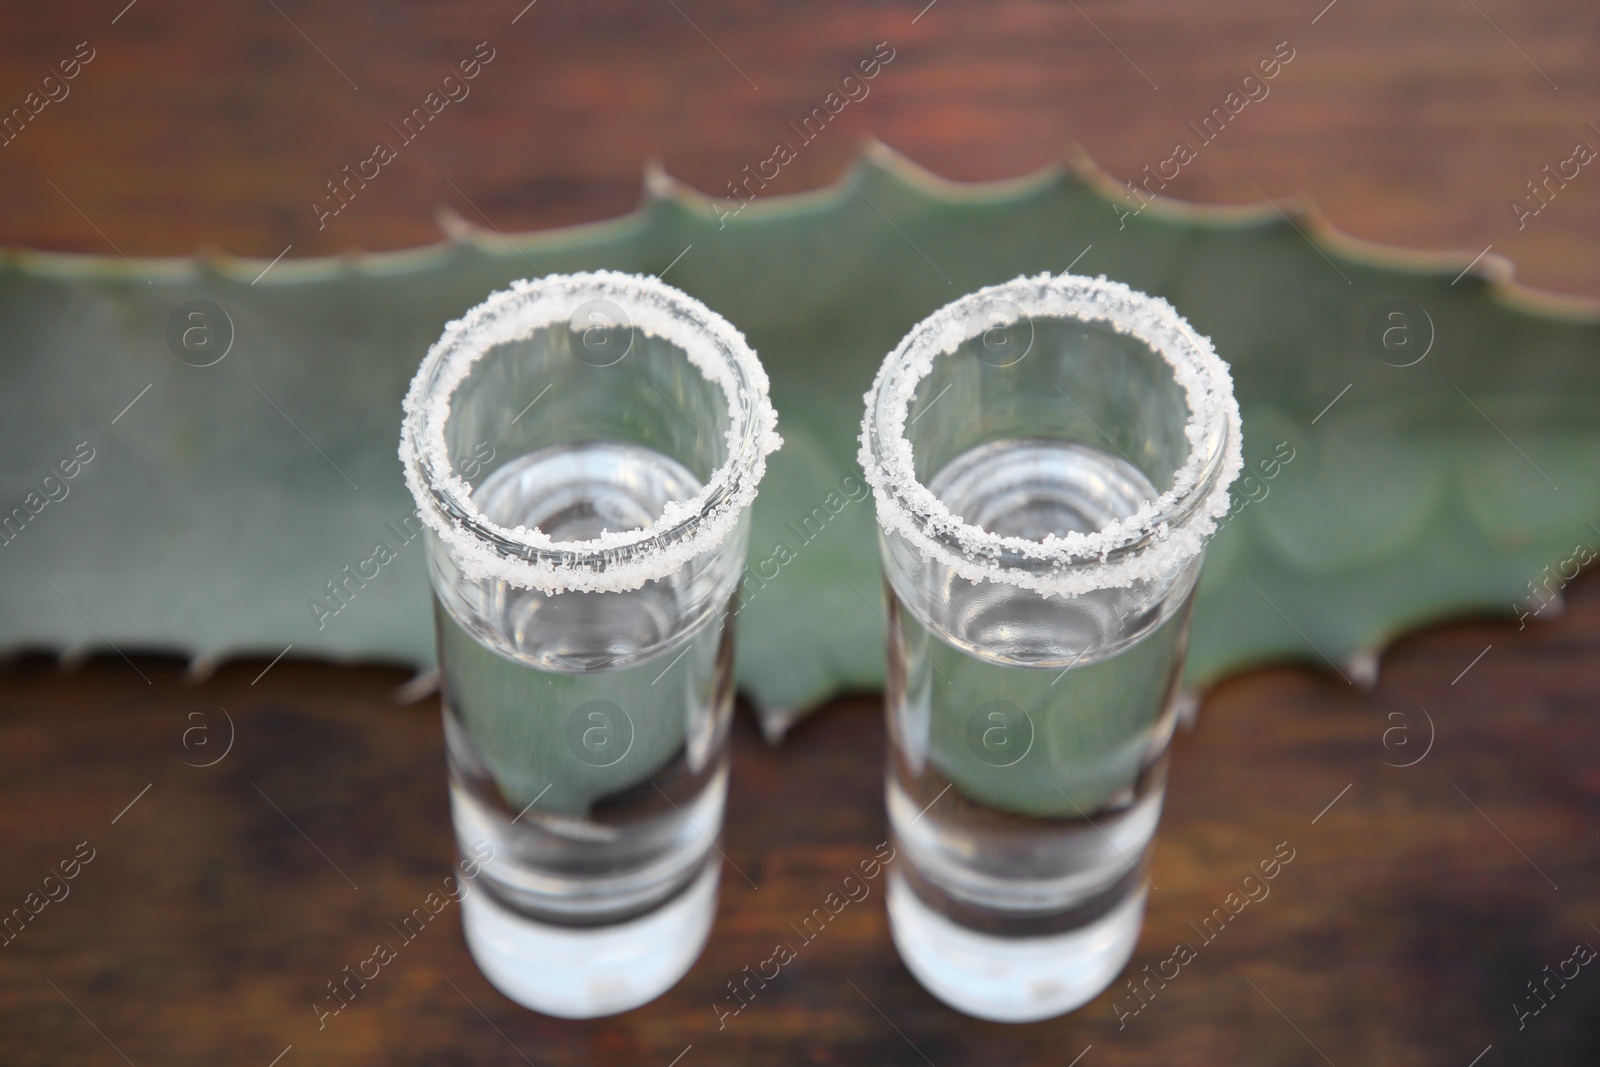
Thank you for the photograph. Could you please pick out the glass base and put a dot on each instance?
(1012, 979)
(585, 972)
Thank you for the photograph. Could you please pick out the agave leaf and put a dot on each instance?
(218, 506)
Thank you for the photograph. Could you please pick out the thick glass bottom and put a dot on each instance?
(1011, 979)
(581, 972)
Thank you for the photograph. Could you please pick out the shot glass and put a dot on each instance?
(1048, 458)
(584, 450)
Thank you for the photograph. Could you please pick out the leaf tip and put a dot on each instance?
(1300, 209)
(456, 228)
(420, 687)
(72, 657)
(209, 259)
(1362, 668)
(1186, 708)
(1489, 268)
(776, 721)
(202, 666)
(658, 184)
(874, 149)
(1081, 165)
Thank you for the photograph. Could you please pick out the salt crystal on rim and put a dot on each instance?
(1158, 538)
(617, 560)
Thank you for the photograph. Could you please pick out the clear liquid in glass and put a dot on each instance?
(592, 762)
(1029, 748)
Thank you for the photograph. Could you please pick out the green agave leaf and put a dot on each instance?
(210, 513)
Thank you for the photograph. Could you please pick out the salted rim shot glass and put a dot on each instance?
(1048, 459)
(583, 450)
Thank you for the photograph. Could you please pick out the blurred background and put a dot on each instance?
(188, 126)
(217, 126)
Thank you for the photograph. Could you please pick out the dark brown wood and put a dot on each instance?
(199, 124)
(1415, 910)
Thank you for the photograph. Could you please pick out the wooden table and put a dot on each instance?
(220, 899)
(1419, 901)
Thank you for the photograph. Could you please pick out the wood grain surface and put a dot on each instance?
(218, 125)
(1419, 902)
(1422, 899)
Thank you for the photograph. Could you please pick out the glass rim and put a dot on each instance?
(616, 560)
(1162, 535)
